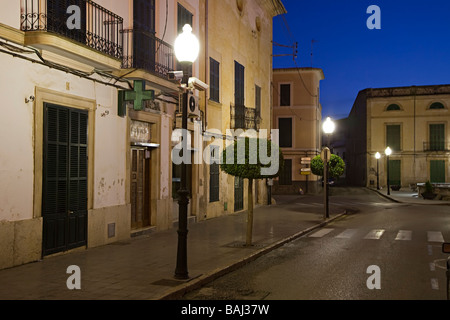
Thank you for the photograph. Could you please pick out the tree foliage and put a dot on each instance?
(251, 168)
(336, 166)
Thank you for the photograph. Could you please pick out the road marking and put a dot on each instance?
(346, 234)
(434, 284)
(432, 266)
(404, 235)
(374, 234)
(321, 232)
(435, 236)
(314, 204)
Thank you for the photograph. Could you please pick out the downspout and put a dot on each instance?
(414, 156)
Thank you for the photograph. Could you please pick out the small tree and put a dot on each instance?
(336, 166)
(251, 165)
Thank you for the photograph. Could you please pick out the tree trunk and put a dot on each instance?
(250, 213)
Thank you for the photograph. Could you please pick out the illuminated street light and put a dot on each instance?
(328, 128)
(388, 152)
(378, 156)
(186, 50)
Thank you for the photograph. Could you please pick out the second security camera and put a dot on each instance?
(175, 75)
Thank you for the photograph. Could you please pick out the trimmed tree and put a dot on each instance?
(336, 166)
(256, 163)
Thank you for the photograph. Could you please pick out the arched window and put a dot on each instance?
(436, 105)
(393, 107)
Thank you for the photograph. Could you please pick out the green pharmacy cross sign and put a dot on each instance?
(137, 95)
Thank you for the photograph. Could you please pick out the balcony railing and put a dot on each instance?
(142, 50)
(98, 27)
(244, 118)
(436, 146)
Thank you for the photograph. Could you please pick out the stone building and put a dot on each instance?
(297, 114)
(413, 122)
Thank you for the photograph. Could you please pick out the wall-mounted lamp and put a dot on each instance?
(30, 99)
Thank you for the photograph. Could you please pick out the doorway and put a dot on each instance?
(140, 188)
(65, 178)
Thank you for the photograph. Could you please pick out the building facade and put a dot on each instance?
(413, 122)
(297, 114)
(90, 111)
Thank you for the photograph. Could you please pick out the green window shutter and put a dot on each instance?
(437, 171)
(285, 95)
(393, 137)
(395, 172)
(214, 91)
(285, 132)
(437, 137)
(286, 174)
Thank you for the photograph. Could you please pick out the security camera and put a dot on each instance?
(175, 75)
(197, 84)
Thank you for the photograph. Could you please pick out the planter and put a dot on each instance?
(395, 188)
(428, 195)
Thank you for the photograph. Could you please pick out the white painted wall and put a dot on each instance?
(18, 80)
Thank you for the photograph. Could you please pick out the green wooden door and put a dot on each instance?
(64, 193)
(437, 171)
(437, 137)
(395, 172)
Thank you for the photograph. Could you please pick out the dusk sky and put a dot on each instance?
(411, 48)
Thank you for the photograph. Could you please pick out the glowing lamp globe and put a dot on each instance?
(388, 151)
(377, 155)
(186, 45)
(328, 126)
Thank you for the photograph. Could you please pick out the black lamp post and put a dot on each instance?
(388, 152)
(186, 50)
(328, 128)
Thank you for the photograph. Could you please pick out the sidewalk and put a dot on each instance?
(405, 195)
(143, 268)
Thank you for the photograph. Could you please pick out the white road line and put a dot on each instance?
(347, 234)
(435, 236)
(374, 234)
(434, 284)
(404, 235)
(432, 266)
(321, 232)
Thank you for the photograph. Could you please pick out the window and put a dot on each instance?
(239, 84)
(436, 106)
(393, 137)
(258, 101)
(285, 95)
(393, 107)
(437, 171)
(286, 174)
(214, 80)
(214, 175)
(437, 137)
(285, 132)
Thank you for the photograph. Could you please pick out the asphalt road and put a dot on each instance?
(380, 251)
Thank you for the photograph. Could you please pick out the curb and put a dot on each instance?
(385, 196)
(202, 280)
(408, 202)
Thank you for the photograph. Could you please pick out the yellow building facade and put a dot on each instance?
(413, 122)
(297, 114)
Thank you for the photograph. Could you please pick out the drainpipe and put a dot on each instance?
(206, 60)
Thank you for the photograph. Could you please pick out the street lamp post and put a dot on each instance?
(186, 50)
(388, 152)
(328, 128)
(378, 156)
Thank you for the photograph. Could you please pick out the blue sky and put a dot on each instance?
(411, 48)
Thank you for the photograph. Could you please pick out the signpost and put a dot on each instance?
(306, 171)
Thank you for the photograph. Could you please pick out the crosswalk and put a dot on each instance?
(376, 234)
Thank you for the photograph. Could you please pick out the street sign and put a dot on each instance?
(325, 154)
(306, 162)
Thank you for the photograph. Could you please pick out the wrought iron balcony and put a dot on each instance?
(142, 50)
(244, 118)
(99, 28)
(436, 146)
